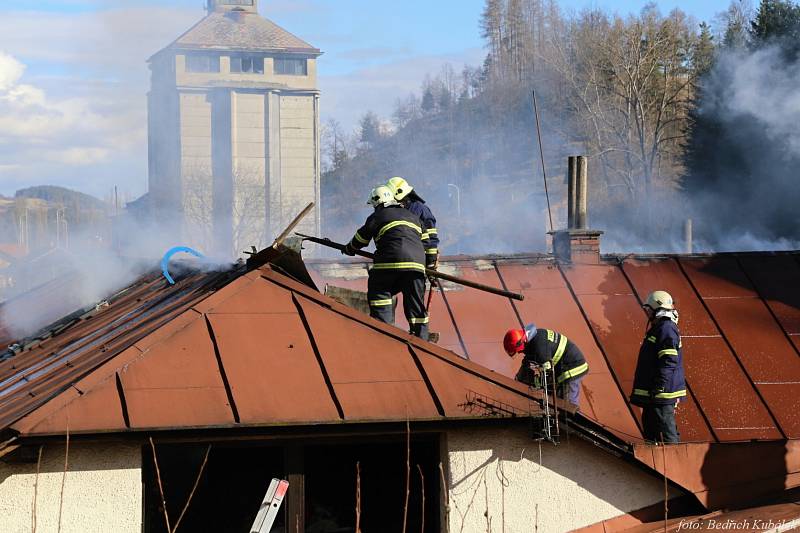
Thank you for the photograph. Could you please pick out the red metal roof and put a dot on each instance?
(739, 317)
(255, 347)
(238, 349)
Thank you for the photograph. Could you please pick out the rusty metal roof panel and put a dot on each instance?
(718, 277)
(373, 376)
(177, 380)
(442, 323)
(759, 345)
(657, 274)
(776, 279)
(725, 394)
(482, 322)
(757, 339)
(461, 393)
(249, 296)
(99, 409)
(278, 380)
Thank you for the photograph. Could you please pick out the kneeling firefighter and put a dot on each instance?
(542, 346)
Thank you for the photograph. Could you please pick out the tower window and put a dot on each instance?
(202, 63)
(247, 64)
(236, 2)
(291, 67)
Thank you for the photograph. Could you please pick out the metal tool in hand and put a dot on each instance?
(428, 272)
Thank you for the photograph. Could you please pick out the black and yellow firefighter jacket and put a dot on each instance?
(659, 378)
(416, 205)
(398, 237)
(563, 354)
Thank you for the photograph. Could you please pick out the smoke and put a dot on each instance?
(55, 282)
(745, 191)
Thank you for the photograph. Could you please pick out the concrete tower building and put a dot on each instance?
(234, 130)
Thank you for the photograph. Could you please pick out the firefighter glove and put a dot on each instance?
(349, 250)
(432, 261)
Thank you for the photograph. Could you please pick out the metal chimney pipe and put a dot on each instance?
(687, 235)
(572, 184)
(581, 216)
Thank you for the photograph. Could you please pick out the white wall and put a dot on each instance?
(102, 491)
(497, 483)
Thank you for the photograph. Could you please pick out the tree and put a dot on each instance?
(334, 146)
(736, 20)
(777, 21)
(428, 100)
(369, 130)
(704, 51)
(630, 88)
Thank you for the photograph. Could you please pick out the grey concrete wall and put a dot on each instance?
(249, 139)
(196, 168)
(102, 491)
(299, 159)
(499, 483)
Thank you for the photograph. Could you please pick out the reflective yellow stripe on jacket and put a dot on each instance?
(361, 239)
(671, 395)
(395, 224)
(668, 351)
(573, 372)
(562, 345)
(660, 395)
(380, 303)
(399, 266)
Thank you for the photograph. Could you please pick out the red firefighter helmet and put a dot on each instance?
(514, 341)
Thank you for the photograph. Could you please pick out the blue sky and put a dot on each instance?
(73, 77)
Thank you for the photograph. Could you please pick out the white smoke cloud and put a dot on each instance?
(765, 88)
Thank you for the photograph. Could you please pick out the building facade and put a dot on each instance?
(233, 120)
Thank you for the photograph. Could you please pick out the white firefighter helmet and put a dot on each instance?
(399, 187)
(659, 300)
(381, 195)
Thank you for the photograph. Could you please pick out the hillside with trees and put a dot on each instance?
(634, 93)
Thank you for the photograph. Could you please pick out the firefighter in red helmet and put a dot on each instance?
(547, 346)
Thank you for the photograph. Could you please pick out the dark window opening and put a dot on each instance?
(330, 482)
(202, 63)
(291, 67)
(247, 64)
(236, 2)
(228, 496)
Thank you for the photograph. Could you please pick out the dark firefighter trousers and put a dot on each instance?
(659, 423)
(383, 284)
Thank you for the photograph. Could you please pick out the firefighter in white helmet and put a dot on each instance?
(399, 264)
(408, 197)
(659, 382)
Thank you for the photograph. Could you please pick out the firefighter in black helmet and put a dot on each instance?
(399, 264)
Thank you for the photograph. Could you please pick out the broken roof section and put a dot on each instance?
(740, 322)
(233, 349)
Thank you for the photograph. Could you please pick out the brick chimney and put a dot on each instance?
(577, 243)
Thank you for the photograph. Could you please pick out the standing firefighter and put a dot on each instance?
(542, 346)
(399, 264)
(659, 381)
(408, 198)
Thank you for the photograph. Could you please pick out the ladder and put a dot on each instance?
(268, 511)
